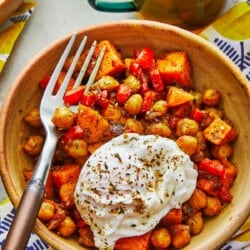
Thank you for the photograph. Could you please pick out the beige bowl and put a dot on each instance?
(210, 69)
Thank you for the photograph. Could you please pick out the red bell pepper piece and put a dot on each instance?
(73, 96)
(135, 69)
(44, 82)
(197, 115)
(148, 100)
(224, 194)
(145, 58)
(89, 99)
(213, 167)
(102, 99)
(156, 80)
(209, 185)
(123, 93)
(72, 133)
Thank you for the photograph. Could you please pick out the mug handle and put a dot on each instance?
(116, 5)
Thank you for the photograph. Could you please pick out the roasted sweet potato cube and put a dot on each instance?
(65, 174)
(141, 242)
(218, 131)
(175, 68)
(86, 237)
(93, 124)
(173, 217)
(177, 96)
(66, 193)
(112, 63)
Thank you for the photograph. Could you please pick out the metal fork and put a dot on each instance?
(31, 200)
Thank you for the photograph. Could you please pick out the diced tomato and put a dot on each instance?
(102, 99)
(44, 82)
(123, 93)
(213, 167)
(156, 80)
(74, 132)
(145, 58)
(73, 96)
(148, 100)
(88, 100)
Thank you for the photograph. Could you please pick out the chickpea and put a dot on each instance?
(133, 126)
(133, 83)
(134, 104)
(63, 117)
(47, 211)
(108, 83)
(195, 223)
(77, 148)
(33, 118)
(198, 199)
(202, 142)
(160, 106)
(160, 128)
(211, 97)
(160, 238)
(67, 227)
(180, 235)
(188, 144)
(213, 206)
(112, 113)
(222, 151)
(187, 126)
(213, 112)
(33, 145)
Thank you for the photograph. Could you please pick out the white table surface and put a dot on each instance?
(51, 20)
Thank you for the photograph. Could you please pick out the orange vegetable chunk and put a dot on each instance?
(65, 174)
(177, 96)
(175, 67)
(218, 131)
(173, 217)
(141, 242)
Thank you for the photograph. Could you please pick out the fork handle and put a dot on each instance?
(25, 217)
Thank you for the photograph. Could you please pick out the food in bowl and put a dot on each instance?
(155, 154)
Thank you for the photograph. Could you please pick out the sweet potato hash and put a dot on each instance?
(142, 94)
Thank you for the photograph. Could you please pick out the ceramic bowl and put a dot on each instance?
(211, 69)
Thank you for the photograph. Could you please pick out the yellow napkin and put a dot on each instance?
(231, 34)
(12, 28)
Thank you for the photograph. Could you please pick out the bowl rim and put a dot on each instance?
(15, 196)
